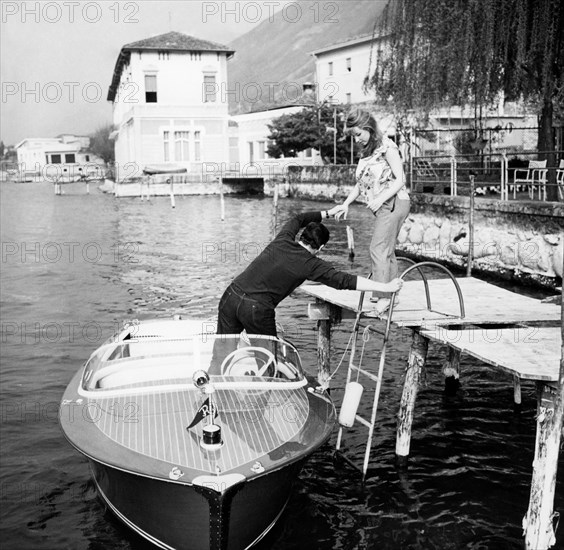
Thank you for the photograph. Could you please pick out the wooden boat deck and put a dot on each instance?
(254, 423)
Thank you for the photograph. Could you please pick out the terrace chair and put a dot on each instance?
(425, 169)
(560, 179)
(532, 177)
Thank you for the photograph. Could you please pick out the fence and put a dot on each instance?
(518, 175)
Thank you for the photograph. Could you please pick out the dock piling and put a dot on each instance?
(516, 390)
(538, 522)
(323, 351)
(451, 371)
(415, 366)
(324, 326)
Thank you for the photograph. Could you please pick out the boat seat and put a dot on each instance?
(152, 371)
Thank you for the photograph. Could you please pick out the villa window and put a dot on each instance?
(150, 88)
(251, 151)
(166, 143)
(163, 55)
(349, 64)
(349, 98)
(261, 150)
(197, 146)
(181, 146)
(330, 68)
(55, 159)
(210, 89)
(70, 158)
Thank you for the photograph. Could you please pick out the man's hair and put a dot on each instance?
(315, 235)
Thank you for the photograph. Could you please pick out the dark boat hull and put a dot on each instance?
(187, 517)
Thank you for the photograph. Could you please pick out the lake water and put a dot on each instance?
(74, 267)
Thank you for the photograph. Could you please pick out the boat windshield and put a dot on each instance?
(226, 360)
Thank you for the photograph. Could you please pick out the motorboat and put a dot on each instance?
(194, 439)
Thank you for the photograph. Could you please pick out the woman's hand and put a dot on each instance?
(341, 210)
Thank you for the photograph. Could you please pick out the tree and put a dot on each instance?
(455, 52)
(312, 127)
(101, 144)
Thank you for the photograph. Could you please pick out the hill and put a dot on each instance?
(274, 59)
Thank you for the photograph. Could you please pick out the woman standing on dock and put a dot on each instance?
(381, 181)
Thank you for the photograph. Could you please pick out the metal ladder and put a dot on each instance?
(377, 378)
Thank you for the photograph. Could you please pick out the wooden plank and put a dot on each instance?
(531, 353)
(484, 303)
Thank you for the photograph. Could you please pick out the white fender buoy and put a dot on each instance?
(351, 400)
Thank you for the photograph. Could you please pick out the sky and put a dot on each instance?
(57, 57)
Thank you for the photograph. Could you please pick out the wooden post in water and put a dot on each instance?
(323, 351)
(538, 523)
(172, 201)
(275, 209)
(451, 371)
(324, 342)
(221, 199)
(516, 390)
(415, 365)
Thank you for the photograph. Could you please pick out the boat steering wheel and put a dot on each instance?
(257, 363)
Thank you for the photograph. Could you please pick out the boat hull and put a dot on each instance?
(189, 517)
(182, 469)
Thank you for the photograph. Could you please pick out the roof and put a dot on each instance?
(349, 42)
(171, 41)
(44, 140)
(176, 41)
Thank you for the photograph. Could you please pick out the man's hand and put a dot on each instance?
(339, 211)
(395, 285)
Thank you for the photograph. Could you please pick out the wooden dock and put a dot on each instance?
(517, 334)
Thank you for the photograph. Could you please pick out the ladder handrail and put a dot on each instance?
(425, 282)
(379, 376)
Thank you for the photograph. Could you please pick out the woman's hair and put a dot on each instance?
(359, 118)
(315, 235)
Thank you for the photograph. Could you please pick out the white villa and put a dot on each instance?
(253, 132)
(340, 69)
(170, 104)
(66, 156)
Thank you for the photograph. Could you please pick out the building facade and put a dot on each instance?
(65, 157)
(252, 143)
(170, 108)
(340, 69)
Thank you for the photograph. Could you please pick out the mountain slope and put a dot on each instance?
(274, 58)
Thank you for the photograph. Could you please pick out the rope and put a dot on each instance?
(342, 359)
(365, 339)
